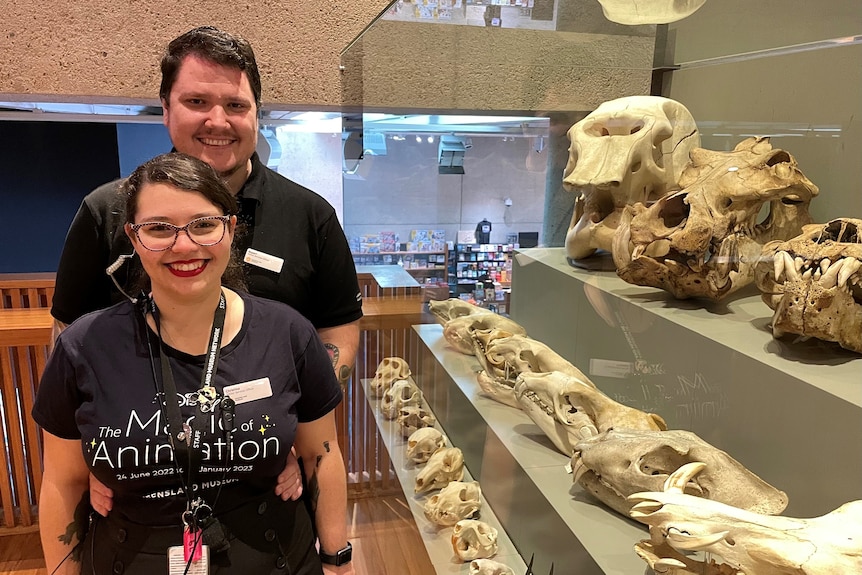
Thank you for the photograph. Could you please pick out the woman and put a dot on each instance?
(185, 401)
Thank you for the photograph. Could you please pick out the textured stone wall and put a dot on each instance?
(107, 51)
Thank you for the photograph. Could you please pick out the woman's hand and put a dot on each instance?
(289, 482)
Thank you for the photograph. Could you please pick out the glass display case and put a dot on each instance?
(788, 409)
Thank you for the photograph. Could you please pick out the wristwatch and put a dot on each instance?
(341, 557)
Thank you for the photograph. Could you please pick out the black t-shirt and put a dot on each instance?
(283, 219)
(99, 387)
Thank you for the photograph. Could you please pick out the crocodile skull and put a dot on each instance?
(628, 150)
(422, 444)
(413, 417)
(617, 463)
(814, 283)
(635, 12)
(445, 465)
(503, 357)
(489, 567)
(704, 241)
(459, 331)
(389, 370)
(568, 410)
(472, 539)
(458, 500)
(449, 309)
(401, 394)
(746, 541)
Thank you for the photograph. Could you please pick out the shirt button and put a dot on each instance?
(269, 535)
(118, 567)
(261, 509)
(280, 562)
(121, 535)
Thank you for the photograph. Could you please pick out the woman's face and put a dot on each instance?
(186, 269)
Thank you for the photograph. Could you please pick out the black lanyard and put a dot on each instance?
(185, 440)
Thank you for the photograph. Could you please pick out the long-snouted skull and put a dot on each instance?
(704, 241)
(504, 357)
(618, 463)
(422, 444)
(401, 394)
(472, 539)
(445, 465)
(458, 500)
(449, 309)
(636, 12)
(749, 542)
(489, 567)
(459, 331)
(569, 410)
(628, 150)
(814, 283)
(389, 370)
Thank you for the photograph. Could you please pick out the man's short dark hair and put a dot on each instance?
(214, 45)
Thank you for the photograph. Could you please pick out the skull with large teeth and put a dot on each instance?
(745, 541)
(568, 409)
(458, 332)
(504, 356)
(813, 282)
(618, 463)
(704, 241)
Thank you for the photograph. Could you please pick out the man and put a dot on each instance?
(293, 245)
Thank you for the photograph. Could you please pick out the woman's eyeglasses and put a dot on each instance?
(161, 236)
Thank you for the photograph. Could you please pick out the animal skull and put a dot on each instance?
(472, 539)
(489, 567)
(635, 12)
(568, 410)
(445, 465)
(503, 357)
(628, 150)
(459, 331)
(750, 542)
(401, 394)
(413, 417)
(704, 241)
(457, 501)
(617, 463)
(389, 370)
(814, 283)
(452, 308)
(423, 442)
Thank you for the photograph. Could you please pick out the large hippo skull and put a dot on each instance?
(704, 241)
(569, 409)
(628, 150)
(459, 331)
(504, 357)
(635, 12)
(745, 541)
(814, 283)
(618, 463)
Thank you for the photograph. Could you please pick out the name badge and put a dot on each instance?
(249, 390)
(263, 260)
(177, 564)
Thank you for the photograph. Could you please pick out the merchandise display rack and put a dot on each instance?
(425, 266)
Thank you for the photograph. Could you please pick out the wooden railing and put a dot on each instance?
(25, 332)
(25, 325)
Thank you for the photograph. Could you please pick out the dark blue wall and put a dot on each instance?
(46, 168)
(138, 143)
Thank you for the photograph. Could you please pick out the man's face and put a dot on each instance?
(211, 114)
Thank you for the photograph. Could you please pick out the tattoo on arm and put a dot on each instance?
(334, 353)
(343, 375)
(78, 527)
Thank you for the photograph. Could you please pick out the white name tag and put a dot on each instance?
(249, 390)
(177, 563)
(263, 260)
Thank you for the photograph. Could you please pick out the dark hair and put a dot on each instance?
(190, 174)
(216, 46)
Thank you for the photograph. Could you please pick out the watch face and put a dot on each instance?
(342, 557)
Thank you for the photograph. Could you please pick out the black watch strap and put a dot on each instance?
(341, 557)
